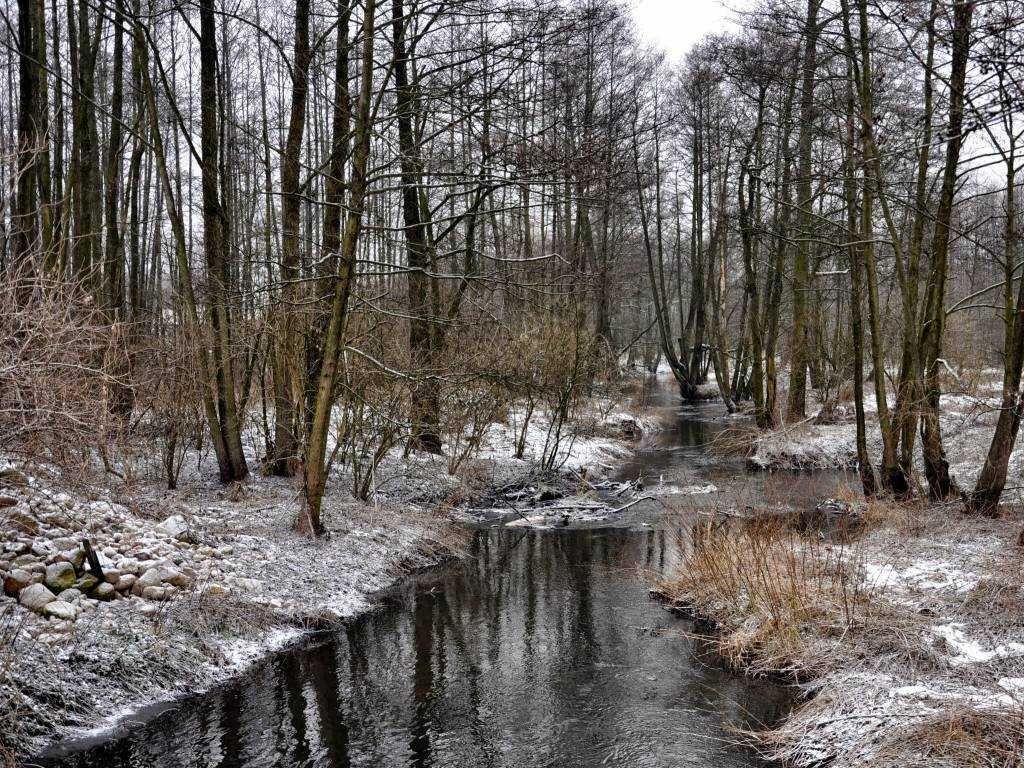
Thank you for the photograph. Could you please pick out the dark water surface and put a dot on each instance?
(542, 650)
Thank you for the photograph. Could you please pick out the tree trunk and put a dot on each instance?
(314, 468)
(289, 355)
(799, 340)
(936, 466)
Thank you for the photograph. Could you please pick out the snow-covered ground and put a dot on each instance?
(967, 420)
(939, 642)
(203, 581)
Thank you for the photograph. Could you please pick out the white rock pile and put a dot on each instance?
(45, 538)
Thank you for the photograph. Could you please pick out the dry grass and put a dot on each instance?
(772, 593)
(734, 441)
(10, 702)
(965, 738)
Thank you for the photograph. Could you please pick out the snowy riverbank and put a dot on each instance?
(909, 639)
(199, 583)
(930, 668)
(968, 419)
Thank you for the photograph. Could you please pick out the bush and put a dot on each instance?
(59, 395)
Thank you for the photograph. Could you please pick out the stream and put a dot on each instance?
(542, 649)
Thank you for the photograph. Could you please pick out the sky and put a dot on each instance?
(675, 25)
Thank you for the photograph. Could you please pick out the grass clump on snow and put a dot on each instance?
(770, 592)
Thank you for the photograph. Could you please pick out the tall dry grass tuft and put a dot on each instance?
(966, 738)
(770, 591)
(10, 700)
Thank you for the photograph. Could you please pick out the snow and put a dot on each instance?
(926, 575)
(968, 650)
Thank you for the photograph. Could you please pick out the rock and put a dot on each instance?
(174, 526)
(21, 521)
(75, 556)
(35, 597)
(60, 576)
(128, 565)
(70, 595)
(225, 551)
(104, 591)
(17, 549)
(174, 577)
(125, 582)
(153, 577)
(15, 581)
(111, 575)
(42, 548)
(86, 582)
(13, 478)
(30, 564)
(154, 593)
(60, 610)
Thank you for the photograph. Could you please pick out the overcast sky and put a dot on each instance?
(675, 25)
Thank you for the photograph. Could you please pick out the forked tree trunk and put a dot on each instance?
(314, 463)
(936, 466)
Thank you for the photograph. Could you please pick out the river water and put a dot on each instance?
(543, 649)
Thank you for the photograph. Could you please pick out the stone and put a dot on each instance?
(70, 595)
(174, 526)
(153, 577)
(125, 582)
(15, 581)
(20, 520)
(86, 582)
(104, 591)
(35, 597)
(174, 577)
(60, 576)
(225, 551)
(111, 575)
(154, 593)
(128, 565)
(16, 548)
(42, 548)
(74, 556)
(60, 610)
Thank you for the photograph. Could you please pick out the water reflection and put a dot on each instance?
(543, 650)
(678, 458)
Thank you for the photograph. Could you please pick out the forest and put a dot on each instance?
(298, 301)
